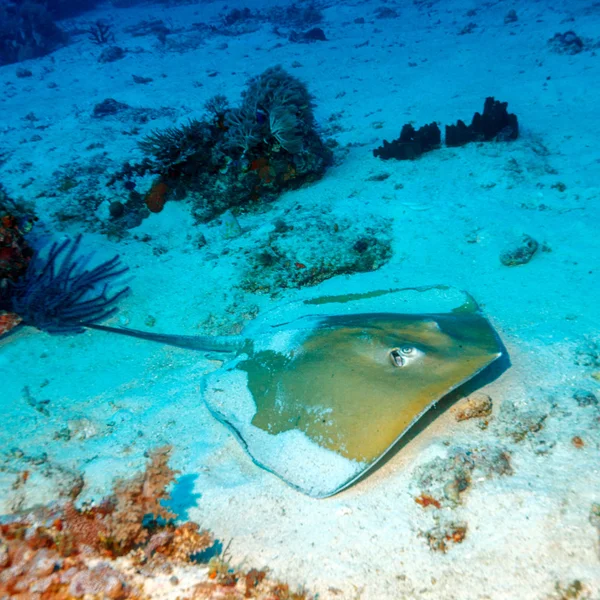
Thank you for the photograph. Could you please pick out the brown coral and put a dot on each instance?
(15, 252)
(137, 497)
(8, 321)
(157, 197)
(45, 554)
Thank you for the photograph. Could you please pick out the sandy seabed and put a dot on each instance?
(529, 529)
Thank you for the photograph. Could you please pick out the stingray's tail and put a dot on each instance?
(219, 343)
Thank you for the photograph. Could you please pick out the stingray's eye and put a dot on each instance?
(404, 355)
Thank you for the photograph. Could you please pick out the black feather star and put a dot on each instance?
(60, 294)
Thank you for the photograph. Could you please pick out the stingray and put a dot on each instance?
(319, 391)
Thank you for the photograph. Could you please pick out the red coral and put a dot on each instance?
(426, 500)
(82, 529)
(157, 197)
(265, 172)
(8, 320)
(45, 555)
(15, 253)
(140, 496)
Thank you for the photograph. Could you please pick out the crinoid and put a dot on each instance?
(60, 293)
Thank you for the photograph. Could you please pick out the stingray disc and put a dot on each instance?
(325, 388)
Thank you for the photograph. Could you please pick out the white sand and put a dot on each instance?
(527, 532)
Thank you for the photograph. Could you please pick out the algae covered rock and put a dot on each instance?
(315, 249)
(476, 405)
(520, 252)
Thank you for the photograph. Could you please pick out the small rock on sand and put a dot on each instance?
(520, 252)
(475, 405)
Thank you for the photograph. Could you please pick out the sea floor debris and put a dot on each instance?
(114, 548)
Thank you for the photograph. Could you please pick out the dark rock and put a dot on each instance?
(411, 144)
(22, 73)
(316, 34)
(235, 15)
(511, 17)
(585, 398)
(567, 43)
(360, 21)
(27, 30)
(521, 253)
(200, 241)
(111, 54)
(116, 209)
(280, 226)
(108, 107)
(495, 123)
(153, 27)
(138, 79)
(468, 28)
(385, 12)
(361, 245)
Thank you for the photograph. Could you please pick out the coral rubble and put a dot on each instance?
(110, 550)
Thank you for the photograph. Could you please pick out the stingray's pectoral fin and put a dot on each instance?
(321, 400)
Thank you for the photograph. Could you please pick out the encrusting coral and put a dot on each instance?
(62, 551)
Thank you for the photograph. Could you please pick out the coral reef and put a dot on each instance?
(520, 424)
(15, 254)
(328, 248)
(238, 157)
(567, 43)
(442, 481)
(8, 321)
(316, 34)
(278, 106)
(100, 32)
(297, 15)
(27, 30)
(111, 54)
(175, 148)
(585, 398)
(62, 551)
(587, 354)
(157, 196)
(239, 21)
(59, 293)
(46, 550)
(442, 535)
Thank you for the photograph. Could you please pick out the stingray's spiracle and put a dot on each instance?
(399, 356)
